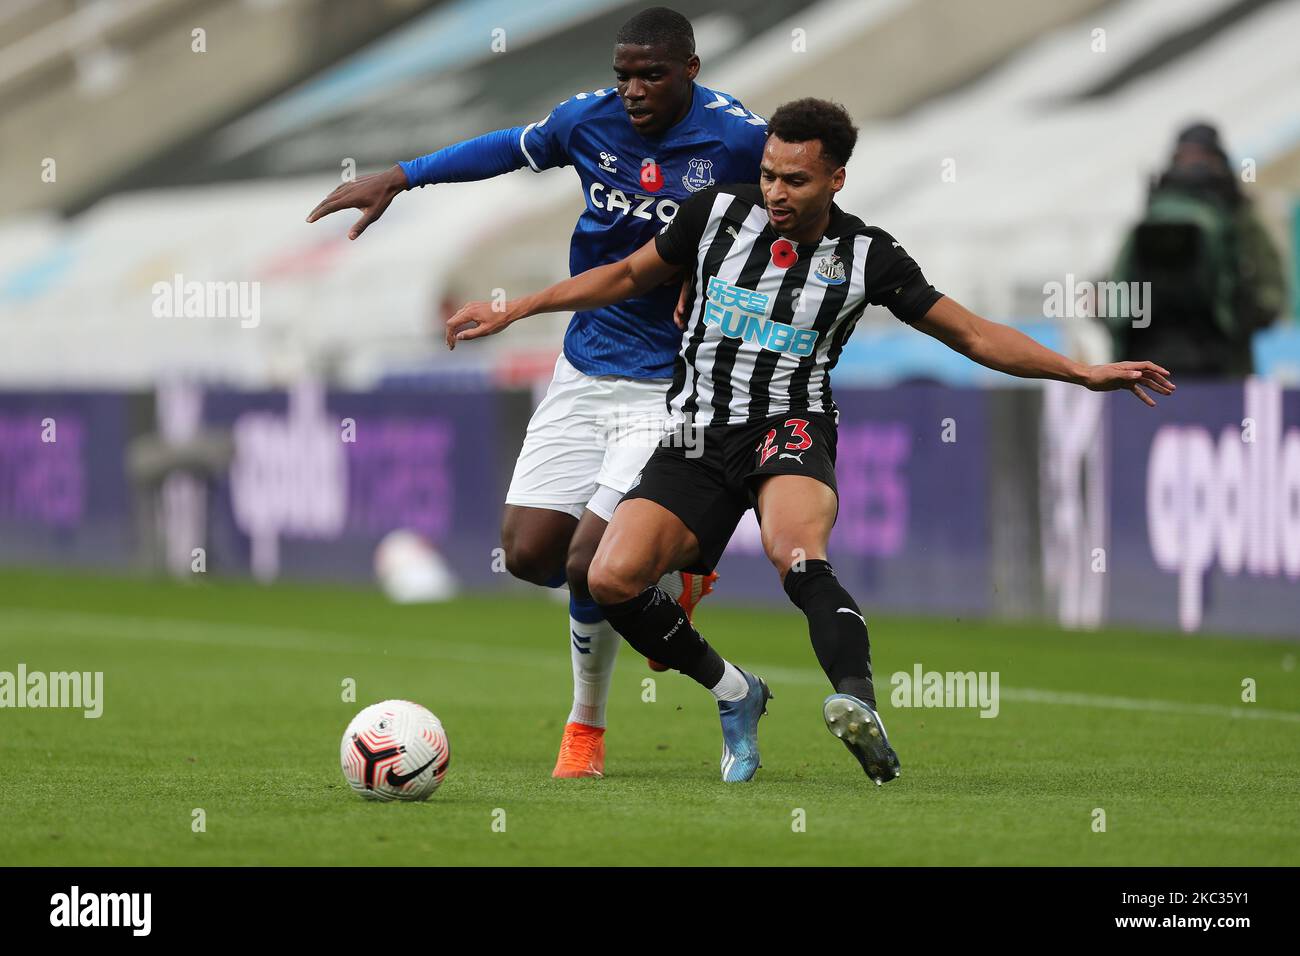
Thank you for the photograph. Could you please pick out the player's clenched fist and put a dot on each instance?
(475, 320)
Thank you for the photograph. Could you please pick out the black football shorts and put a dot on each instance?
(709, 477)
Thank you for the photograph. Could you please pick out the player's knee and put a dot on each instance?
(612, 580)
(530, 562)
(785, 553)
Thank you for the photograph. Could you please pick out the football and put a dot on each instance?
(395, 750)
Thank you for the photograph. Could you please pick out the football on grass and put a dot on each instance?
(395, 750)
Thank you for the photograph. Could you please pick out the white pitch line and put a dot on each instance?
(255, 636)
(1030, 695)
(1034, 695)
(227, 634)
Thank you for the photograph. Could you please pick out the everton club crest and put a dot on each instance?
(699, 175)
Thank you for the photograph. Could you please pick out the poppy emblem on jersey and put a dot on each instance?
(699, 175)
(652, 177)
(830, 269)
(783, 254)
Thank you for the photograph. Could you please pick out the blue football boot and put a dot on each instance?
(740, 730)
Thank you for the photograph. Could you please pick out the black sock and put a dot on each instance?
(839, 638)
(658, 628)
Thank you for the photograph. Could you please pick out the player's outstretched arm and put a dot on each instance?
(604, 285)
(1005, 349)
(483, 157)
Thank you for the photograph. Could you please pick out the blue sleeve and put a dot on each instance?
(545, 144)
(480, 158)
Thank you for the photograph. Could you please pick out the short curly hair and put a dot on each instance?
(802, 120)
(659, 27)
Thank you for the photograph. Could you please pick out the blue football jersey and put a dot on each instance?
(718, 141)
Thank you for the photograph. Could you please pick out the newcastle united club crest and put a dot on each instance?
(830, 269)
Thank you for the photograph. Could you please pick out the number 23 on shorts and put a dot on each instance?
(799, 439)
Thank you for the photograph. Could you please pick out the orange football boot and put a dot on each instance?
(694, 589)
(582, 752)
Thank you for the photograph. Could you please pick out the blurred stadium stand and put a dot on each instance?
(176, 163)
(105, 86)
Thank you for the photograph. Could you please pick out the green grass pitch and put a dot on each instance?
(227, 697)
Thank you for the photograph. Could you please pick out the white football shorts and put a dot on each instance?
(587, 441)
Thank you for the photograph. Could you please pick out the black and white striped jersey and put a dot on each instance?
(768, 318)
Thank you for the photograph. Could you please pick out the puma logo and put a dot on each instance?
(786, 454)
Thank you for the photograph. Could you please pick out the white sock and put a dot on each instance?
(593, 670)
(732, 686)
